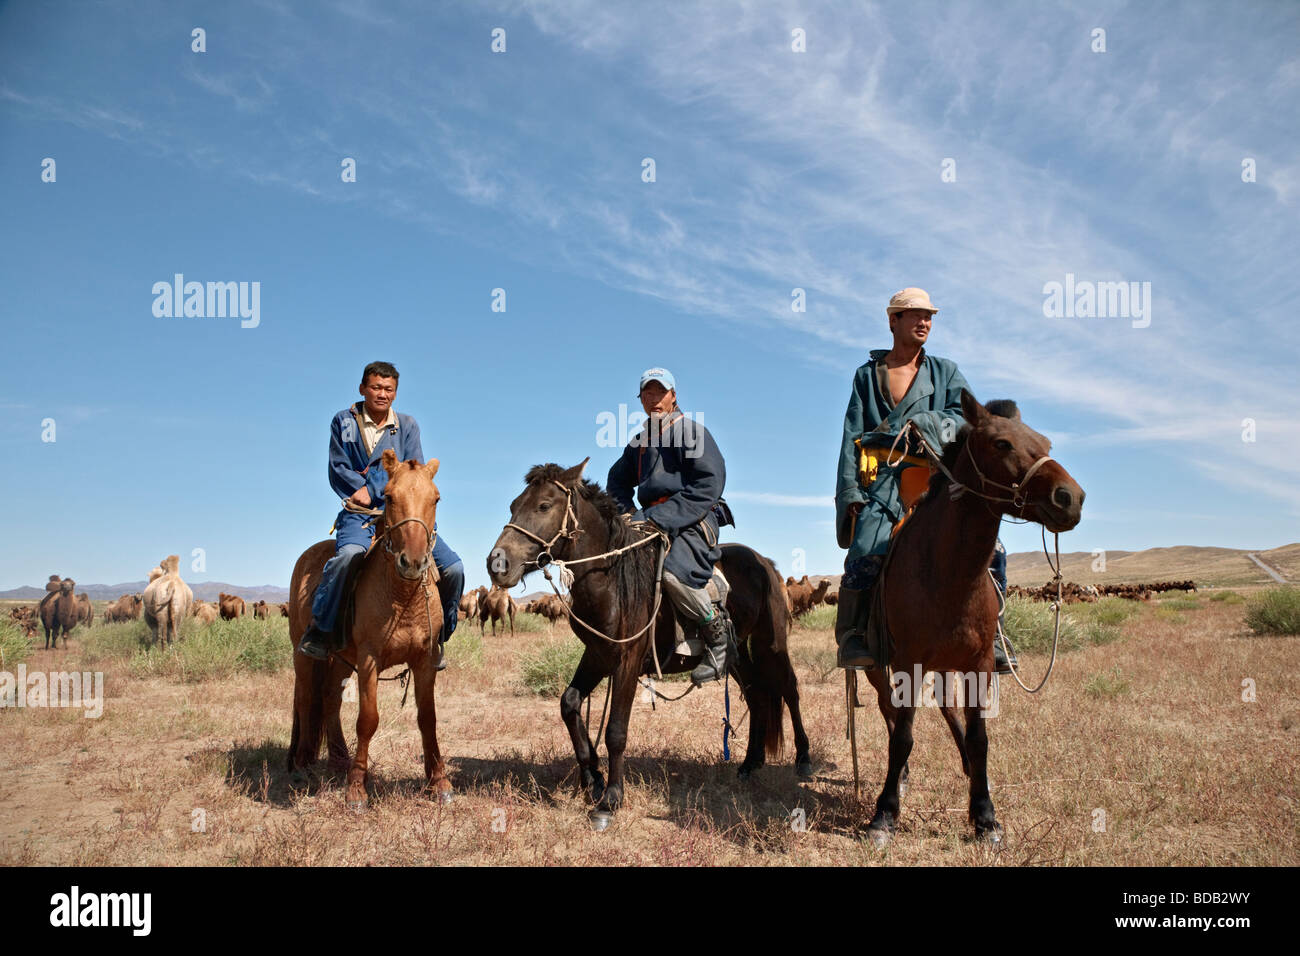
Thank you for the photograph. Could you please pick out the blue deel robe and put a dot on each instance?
(678, 478)
(350, 467)
(933, 399)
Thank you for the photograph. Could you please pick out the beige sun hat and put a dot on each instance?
(910, 299)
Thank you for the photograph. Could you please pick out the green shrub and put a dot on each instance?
(1105, 611)
(221, 649)
(1106, 684)
(1180, 603)
(1029, 625)
(1227, 597)
(548, 669)
(465, 649)
(14, 646)
(1275, 611)
(820, 618)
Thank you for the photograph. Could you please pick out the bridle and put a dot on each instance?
(956, 489)
(565, 531)
(385, 538)
(544, 559)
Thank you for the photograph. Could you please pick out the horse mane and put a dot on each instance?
(949, 456)
(634, 571)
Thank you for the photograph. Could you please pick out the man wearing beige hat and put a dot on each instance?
(897, 385)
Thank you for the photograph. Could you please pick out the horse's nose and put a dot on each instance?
(1062, 498)
(402, 563)
(498, 562)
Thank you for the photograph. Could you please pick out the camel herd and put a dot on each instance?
(164, 605)
(802, 596)
(496, 605)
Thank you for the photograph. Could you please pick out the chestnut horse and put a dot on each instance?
(397, 620)
(941, 605)
(614, 596)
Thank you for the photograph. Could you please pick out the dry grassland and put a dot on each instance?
(1150, 729)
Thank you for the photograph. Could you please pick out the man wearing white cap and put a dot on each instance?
(897, 385)
(677, 472)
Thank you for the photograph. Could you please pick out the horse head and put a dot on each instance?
(1009, 456)
(542, 521)
(410, 510)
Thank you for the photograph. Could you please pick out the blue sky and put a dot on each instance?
(522, 170)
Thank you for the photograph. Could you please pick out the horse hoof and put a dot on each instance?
(745, 772)
(880, 837)
(804, 770)
(990, 836)
(358, 806)
(443, 797)
(600, 820)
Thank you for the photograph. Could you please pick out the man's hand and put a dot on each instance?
(361, 497)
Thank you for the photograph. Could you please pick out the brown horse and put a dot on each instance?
(397, 619)
(59, 613)
(614, 596)
(940, 604)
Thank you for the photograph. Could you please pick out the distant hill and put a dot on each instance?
(1221, 567)
(203, 591)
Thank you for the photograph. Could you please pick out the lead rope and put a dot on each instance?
(1056, 606)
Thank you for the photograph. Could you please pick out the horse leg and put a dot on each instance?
(367, 724)
(888, 710)
(757, 700)
(950, 715)
(803, 767)
(881, 828)
(620, 713)
(987, 828)
(330, 715)
(435, 771)
(585, 678)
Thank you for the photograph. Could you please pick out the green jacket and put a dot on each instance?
(933, 400)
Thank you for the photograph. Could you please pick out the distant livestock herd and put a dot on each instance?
(167, 601)
(164, 605)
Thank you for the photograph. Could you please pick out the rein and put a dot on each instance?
(957, 489)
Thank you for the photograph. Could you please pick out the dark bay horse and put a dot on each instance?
(615, 595)
(941, 606)
(397, 620)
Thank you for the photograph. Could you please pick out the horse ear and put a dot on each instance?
(971, 409)
(431, 467)
(574, 474)
(389, 458)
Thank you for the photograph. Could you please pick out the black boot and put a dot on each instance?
(442, 656)
(1001, 665)
(316, 644)
(850, 618)
(713, 663)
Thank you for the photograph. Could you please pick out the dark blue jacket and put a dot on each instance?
(349, 465)
(678, 478)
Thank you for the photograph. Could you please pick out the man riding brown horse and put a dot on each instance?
(874, 487)
(359, 436)
(678, 473)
